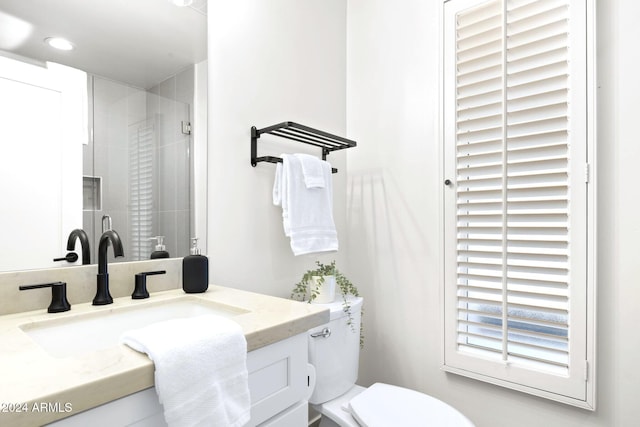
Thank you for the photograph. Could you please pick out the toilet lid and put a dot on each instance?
(383, 405)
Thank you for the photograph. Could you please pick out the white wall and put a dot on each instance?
(269, 62)
(393, 214)
(285, 60)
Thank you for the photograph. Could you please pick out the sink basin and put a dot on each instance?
(87, 332)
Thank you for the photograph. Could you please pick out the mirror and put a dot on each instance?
(140, 58)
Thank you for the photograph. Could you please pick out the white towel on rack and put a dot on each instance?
(201, 372)
(307, 213)
(312, 170)
(277, 185)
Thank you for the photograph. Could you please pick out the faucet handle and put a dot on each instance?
(70, 257)
(140, 291)
(59, 302)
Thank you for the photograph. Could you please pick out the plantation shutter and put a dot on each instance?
(516, 210)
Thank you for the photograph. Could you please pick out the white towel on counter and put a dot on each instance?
(201, 372)
(307, 213)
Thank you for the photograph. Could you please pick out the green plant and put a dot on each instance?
(307, 289)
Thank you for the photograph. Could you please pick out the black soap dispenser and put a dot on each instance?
(160, 251)
(195, 270)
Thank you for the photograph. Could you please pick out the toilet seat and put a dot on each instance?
(383, 405)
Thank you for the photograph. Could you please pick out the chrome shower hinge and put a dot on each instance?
(186, 127)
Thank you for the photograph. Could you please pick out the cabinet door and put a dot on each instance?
(277, 377)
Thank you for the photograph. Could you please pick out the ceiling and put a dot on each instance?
(140, 42)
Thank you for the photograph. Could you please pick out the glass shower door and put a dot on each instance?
(141, 158)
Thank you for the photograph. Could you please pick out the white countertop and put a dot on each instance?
(30, 377)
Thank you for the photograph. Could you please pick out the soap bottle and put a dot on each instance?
(160, 251)
(195, 270)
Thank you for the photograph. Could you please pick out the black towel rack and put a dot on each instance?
(297, 132)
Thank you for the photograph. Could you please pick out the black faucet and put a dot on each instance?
(84, 242)
(103, 296)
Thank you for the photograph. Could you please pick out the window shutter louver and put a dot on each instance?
(517, 203)
(141, 168)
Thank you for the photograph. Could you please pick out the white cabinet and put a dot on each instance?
(277, 383)
(277, 378)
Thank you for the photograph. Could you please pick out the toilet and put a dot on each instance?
(333, 355)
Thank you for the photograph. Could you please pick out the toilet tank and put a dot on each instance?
(335, 356)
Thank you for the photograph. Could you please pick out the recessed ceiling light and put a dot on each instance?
(182, 3)
(59, 43)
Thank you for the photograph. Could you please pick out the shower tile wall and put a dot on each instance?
(119, 112)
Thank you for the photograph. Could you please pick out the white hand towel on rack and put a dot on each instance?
(200, 369)
(307, 213)
(312, 170)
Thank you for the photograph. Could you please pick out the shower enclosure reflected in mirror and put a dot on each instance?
(136, 168)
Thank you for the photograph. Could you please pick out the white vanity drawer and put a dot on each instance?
(296, 416)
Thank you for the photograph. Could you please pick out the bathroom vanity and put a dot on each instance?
(97, 382)
(277, 380)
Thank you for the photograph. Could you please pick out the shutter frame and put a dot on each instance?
(529, 255)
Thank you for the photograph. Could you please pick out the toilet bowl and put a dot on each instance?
(333, 352)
